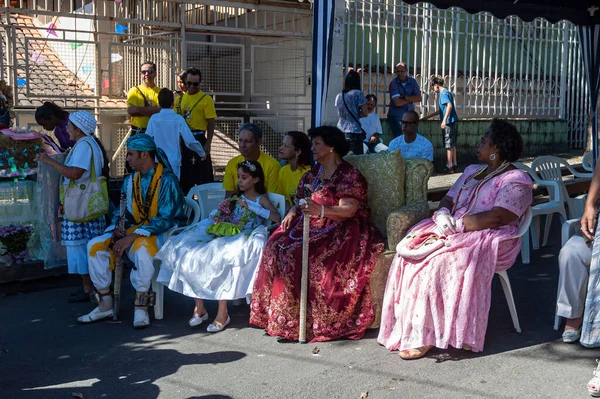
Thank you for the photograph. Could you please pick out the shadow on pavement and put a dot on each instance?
(57, 357)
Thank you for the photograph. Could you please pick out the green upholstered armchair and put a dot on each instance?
(398, 200)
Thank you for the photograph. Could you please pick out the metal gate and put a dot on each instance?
(254, 61)
(495, 67)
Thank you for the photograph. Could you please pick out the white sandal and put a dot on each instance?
(95, 315)
(594, 385)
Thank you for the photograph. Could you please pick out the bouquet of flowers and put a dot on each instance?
(14, 240)
(225, 220)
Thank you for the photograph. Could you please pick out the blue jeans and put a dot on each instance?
(394, 122)
(355, 141)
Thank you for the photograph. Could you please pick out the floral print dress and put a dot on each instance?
(342, 255)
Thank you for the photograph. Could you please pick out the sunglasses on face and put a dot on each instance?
(407, 123)
(147, 72)
(193, 83)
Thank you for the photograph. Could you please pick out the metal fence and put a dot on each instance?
(495, 67)
(254, 61)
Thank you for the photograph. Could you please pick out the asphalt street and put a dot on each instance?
(44, 353)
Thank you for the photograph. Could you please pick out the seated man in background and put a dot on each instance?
(154, 205)
(250, 139)
(411, 143)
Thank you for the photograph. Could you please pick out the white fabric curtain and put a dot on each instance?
(323, 20)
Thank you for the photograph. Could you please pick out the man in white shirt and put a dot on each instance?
(411, 143)
(167, 128)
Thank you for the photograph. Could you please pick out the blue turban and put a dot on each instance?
(144, 142)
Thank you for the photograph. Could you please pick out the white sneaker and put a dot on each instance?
(140, 318)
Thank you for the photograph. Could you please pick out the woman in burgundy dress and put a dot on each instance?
(344, 246)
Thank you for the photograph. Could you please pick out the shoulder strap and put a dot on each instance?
(141, 93)
(351, 114)
(197, 102)
(93, 167)
(178, 104)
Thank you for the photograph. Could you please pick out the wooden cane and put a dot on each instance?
(304, 280)
(120, 228)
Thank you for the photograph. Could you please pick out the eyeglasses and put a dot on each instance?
(193, 83)
(147, 71)
(408, 123)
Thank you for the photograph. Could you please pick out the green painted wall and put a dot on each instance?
(540, 137)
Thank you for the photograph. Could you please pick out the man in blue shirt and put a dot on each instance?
(449, 121)
(411, 144)
(404, 91)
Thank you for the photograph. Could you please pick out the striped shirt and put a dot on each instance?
(420, 148)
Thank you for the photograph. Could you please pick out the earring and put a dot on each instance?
(331, 149)
(492, 157)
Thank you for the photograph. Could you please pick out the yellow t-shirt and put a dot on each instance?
(270, 168)
(288, 181)
(202, 108)
(135, 98)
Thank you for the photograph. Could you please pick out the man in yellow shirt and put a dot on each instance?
(142, 101)
(249, 142)
(295, 150)
(198, 110)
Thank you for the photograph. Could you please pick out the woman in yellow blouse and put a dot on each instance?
(295, 150)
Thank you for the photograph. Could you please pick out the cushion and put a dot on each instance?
(385, 175)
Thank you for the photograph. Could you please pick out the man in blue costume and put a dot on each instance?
(154, 205)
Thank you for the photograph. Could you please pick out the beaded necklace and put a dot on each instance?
(478, 184)
(316, 185)
(144, 206)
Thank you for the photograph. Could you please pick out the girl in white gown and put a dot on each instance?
(217, 258)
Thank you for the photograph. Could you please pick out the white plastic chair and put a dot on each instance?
(587, 161)
(569, 229)
(505, 282)
(208, 195)
(550, 168)
(192, 212)
(278, 201)
(554, 205)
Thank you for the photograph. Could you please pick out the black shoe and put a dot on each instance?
(79, 296)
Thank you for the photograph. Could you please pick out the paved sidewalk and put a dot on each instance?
(44, 353)
(447, 180)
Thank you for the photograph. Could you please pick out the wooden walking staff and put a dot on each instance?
(119, 233)
(304, 278)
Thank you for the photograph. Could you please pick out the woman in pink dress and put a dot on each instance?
(444, 298)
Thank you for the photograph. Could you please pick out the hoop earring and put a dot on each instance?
(492, 157)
